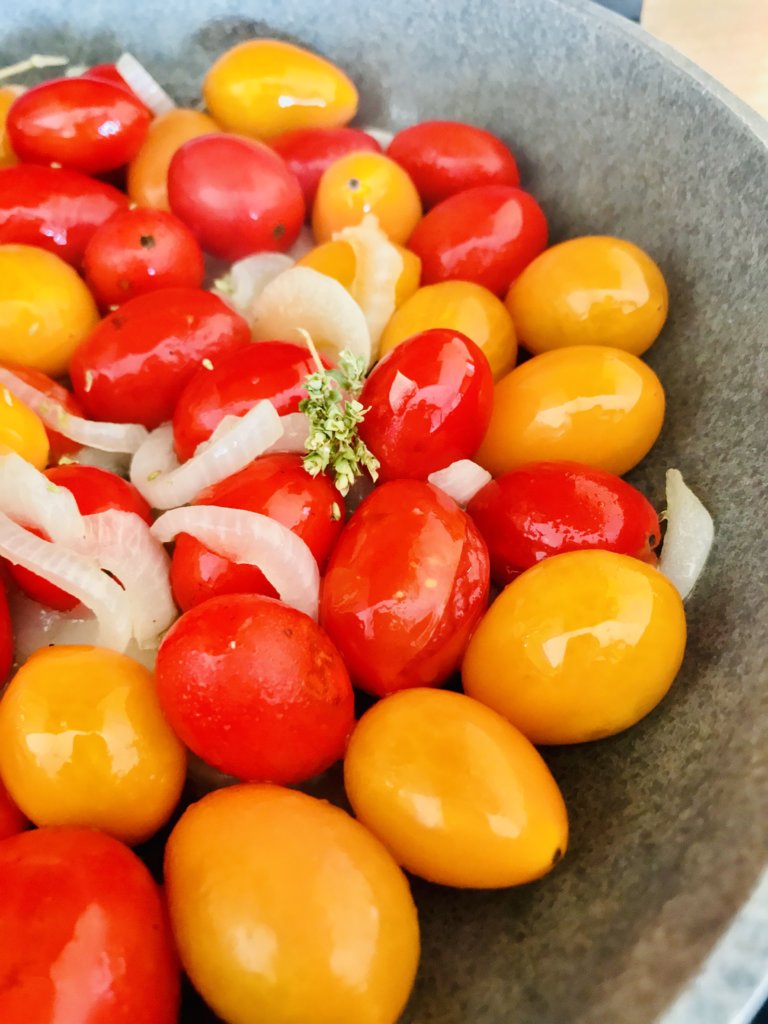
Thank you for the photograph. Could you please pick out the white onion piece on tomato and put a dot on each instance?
(689, 536)
(461, 480)
(249, 538)
(140, 82)
(122, 543)
(77, 574)
(106, 437)
(245, 280)
(304, 243)
(382, 135)
(114, 462)
(28, 497)
(237, 441)
(304, 300)
(295, 433)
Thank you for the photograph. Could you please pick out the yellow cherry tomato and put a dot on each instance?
(457, 794)
(586, 404)
(579, 647)
(83, 742)
(361, 183)
(8, 94)
(45, 309)
(461, 306)
(22, 431)
(589, 291)
(265, 87)
(286, 910)
(336, 259)
(147, 180)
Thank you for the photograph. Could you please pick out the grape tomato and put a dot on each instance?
(309, 152)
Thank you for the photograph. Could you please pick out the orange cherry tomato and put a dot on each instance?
(337, 259)
(589, 291)
(83, 742)
(455, 792)
(147, 180)
(264, 87)
(363, 183)
(589, 404)
(579, 647)
(8, 94)
(460, 306)
(287, 910)
(22, 431)
(60, 445)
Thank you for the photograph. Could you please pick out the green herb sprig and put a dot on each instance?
(334, 415)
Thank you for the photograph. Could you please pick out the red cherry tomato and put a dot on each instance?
(87, 933)
(6, 635)
(109, 73)
(547, 508)
(487, 235)
(446, 157)
(277, 486)
(429, 403)
(406, 585)
(12, 821)
(135, 364)
(59, 445)
(94, 490)
(237, 195)
(139, 251)
(310, 151)
(256, 689)
(54, 209)
(84, 124)
(274, 370)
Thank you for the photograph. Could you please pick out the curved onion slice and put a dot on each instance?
(139, 81)
(689, 536)
(245, 280)
(114, 462)
(78, 574)
(249, 538)
(303, 299)
(382, 135)
(121, 542)
(28, 497)
(378, 266)
(237, 440)
(461, 480)
(304, 243)
(107, 437)
(295, 433)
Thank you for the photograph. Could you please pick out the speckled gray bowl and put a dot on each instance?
(656, 912)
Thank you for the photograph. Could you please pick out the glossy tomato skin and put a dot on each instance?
(548, 508)
(84, 124)
(429, 403)
(237, 195)
(91, 938)
(59, 445)
(256, 689)
(54, 209)
(135, 364)
(274, 370)
(308, 152)
(446, 157)
(94, 490)
(6, 635)
(486, 235)
(406, 584)
(277, 486)
(139, 251)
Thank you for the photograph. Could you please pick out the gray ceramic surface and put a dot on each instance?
(614, 134)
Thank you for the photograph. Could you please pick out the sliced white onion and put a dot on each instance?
(382, 135)
(304, 243)
(249, 538)
(295, 433)
(107, 437)
(114, 462)
(28, 497)
(121, 542)
(75, 573)
(303, 299)
(139, 80)
(245, 280)
(378, 266)
(461, 480)
(689, 536)
(237, 441)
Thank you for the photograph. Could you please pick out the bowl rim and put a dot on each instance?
(731, 984)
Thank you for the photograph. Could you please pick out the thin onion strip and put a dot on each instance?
(461, 480)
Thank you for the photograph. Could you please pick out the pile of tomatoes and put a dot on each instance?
(536, 588)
